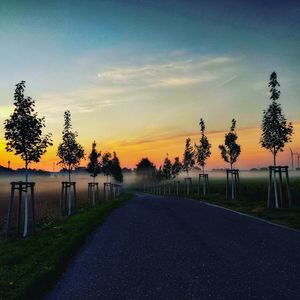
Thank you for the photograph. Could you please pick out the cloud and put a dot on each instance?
(167, 73)
(219, 60)
(135, 83)
(83, 100)
(228, 80)
(155, 70)
(180, 81)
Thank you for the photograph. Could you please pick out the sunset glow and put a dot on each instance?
(137, 78)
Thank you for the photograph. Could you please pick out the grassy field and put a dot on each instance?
(28, 267)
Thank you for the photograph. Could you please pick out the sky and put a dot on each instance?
(138, 75)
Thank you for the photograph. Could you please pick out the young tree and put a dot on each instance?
(230, 151)
(188, 157)
(116, 170)
(106, 165)
(69, 151)
(23, 133)
(94, 166)
(167, 169)
(276, 132)
(176, 167)
(203, 150)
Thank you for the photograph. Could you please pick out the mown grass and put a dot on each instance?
(28, 267)
(252, 200)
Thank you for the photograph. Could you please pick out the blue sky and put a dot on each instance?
(140, 70)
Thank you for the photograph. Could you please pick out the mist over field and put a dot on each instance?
(48, 188)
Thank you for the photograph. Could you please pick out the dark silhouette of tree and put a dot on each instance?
(167, 169)
(23, 133)
(94, 166)
(106, 165)
(159, 174)
(188, 157)
(69, 151)
(230, 151)
(116, 170)
(203, 149)
(145, 169)
(276, 132)
(176, 167)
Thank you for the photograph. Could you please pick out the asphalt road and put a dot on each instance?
(169, 248)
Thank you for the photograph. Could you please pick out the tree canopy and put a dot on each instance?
(203, 149)
(116, 170)
(106, 164)
(94, 165)
(230, 151)
(167, 169)
(145, 168)
(176, 167)
(69, 151)
(159, 174)
(23, 130)
(188, 157)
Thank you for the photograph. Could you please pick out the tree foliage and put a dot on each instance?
(167, 169)
(159, 174)
(116, 170)
(23, 130)
(145, 168)
(203, 149)
(176, 167)
(94, 166)
(106, 164)
(188, 156)
(276, 131)
(230, 151)
(69, 151)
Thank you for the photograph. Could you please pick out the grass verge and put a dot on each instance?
(256, 205)
(28, 267)
(252, 199)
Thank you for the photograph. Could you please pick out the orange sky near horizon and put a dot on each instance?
(130, 151)
(137, 78)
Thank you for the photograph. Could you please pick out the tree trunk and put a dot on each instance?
(94, 191)
(275, 180)
(25, 232)
(232, 190)
(204, 183)
(69, 193)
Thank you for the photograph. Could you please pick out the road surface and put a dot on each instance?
(175, 248)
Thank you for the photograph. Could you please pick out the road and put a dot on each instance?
(175, 248)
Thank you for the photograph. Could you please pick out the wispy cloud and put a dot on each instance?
(134, 83)
(165, 74)
(180, 81)
(150, 71)
(228, 80)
